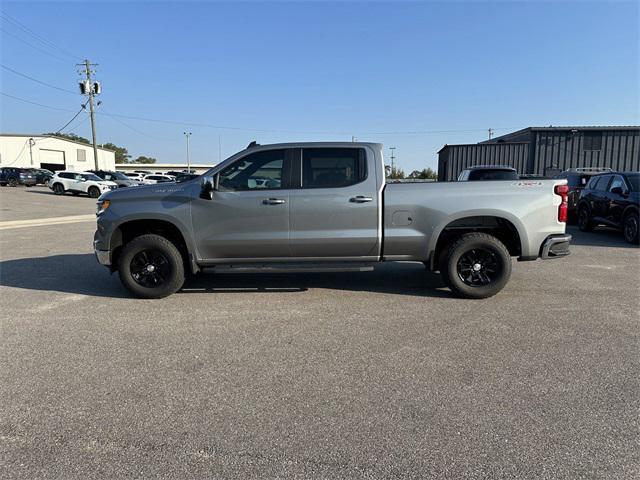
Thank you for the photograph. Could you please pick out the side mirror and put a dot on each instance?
(617, 190)
(207, 185)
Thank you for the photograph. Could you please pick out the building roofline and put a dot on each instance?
(552, 128)
(40, 135)
(479, 144)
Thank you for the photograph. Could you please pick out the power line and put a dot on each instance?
(34, 47)
(36, 103)
(112, 117)
(36, 80)
(33, 34)
(221, 127)
(74, 117)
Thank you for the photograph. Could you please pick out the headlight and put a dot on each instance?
(103, 206)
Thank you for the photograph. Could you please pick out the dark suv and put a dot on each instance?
(120, 178)
(611, 199)
(577, 179)
(14, 176)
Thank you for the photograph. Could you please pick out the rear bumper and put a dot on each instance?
(555, 246)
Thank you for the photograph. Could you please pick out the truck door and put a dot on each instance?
(334, 212)
(248, 216)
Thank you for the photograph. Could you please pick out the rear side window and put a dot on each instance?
(333, 167)
(65, 175)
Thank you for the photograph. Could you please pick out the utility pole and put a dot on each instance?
(188, 134)
(392, 158)
(32, 142)
(490, 133)
(90, 88)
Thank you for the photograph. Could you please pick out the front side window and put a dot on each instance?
(333, 167)
(256, 171)
(617, 182)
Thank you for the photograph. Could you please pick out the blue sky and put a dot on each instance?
(322, 71)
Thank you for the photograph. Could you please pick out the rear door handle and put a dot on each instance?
(273, 201)
(361, 199)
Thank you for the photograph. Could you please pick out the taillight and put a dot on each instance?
(563, 209)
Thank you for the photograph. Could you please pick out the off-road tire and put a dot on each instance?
(151, 243)
(486, 246)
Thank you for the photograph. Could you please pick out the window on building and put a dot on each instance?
(332, 167)
(82, 155)
(592, 141)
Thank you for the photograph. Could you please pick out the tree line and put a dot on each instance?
(397, 173)
(121, 153)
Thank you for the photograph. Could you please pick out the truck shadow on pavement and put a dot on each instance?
(81, 274)
(600, 237)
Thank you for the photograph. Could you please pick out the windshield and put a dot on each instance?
(91, 176)
(493, 175)
(634, 181)
(117, 176)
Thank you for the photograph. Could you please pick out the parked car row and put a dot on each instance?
(14, 176)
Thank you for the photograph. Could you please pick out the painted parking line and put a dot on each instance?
(42, 222)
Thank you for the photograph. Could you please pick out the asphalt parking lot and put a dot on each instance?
(368, 375)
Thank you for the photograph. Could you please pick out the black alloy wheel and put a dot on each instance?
(150, 268)
(478, 267)
(630, 228)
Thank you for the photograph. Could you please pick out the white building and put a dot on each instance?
(52, 153)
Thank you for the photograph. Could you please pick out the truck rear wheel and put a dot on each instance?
(150, 266)
(477, 265)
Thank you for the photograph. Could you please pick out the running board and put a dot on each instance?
(289, 268)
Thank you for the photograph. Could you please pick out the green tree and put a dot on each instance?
(143, 159)
(122, 154)
(70, 136)
(425, 174)
(394, 173)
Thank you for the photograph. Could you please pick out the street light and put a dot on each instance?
(188, 134)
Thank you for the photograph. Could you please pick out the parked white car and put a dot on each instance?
(151, 179)
(135, 176)
(80, 182)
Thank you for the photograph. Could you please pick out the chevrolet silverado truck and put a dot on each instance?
(326, 206)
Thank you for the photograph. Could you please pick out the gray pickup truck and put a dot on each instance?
(326, 206)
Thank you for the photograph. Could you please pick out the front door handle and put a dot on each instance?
(361, 199)
(273, 201)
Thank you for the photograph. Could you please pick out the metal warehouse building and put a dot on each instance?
(52, 153)
(547, 151)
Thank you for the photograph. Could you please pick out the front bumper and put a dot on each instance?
(103, 256)
(555, 246)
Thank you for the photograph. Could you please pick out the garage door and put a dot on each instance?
(52, 159)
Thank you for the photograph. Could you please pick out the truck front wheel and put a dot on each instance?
(150, 266)
(477, 265)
